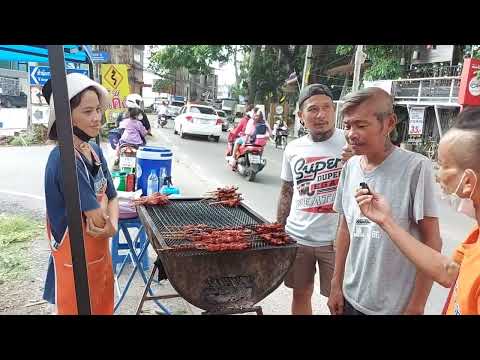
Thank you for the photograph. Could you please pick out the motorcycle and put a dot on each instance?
(302, 131)
(127, 153)
(281, 135)
(128, 156)
(249, 158)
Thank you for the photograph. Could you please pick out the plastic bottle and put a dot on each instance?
(163, 175)
(152, 182)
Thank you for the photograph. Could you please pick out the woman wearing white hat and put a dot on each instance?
(98, 202)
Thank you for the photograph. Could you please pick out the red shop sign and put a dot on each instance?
(469, 92)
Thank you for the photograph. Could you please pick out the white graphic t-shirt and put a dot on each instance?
(314, 168)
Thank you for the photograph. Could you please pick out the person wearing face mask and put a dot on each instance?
(98, 202)
(458, 176)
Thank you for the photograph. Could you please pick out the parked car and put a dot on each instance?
(198, 119)
(223, 116)
(13, 101)
(174, 108)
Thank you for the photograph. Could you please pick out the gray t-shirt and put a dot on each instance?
(378, 278)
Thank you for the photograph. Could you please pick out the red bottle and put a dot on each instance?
(130, 182)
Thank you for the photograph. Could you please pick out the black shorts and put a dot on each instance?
(348, 309)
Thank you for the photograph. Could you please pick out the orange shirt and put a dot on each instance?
(465, 299)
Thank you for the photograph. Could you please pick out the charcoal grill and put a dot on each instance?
(218, 282)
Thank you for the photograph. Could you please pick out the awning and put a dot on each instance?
(39, 53)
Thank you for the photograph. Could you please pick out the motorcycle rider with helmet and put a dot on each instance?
(135, 98)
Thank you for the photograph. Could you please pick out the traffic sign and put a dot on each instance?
(39, 75)
(113, 77)
(100, 56)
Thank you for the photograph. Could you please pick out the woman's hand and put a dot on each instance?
(374, 207)
(106, 232)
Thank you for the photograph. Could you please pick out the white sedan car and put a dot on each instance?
(198, 120)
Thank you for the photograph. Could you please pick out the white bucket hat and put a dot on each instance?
(76, 83)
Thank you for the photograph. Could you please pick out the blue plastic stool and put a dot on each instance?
(124, 225)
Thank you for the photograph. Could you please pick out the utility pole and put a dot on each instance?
(359, 60)
(306, 68)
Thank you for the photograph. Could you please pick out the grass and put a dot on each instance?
(16, 234)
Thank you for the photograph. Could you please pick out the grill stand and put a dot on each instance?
(147, 289)
(256, 309)
(223, 283)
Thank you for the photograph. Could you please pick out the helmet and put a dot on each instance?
(133, 101)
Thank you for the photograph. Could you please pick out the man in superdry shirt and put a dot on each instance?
(310, 173)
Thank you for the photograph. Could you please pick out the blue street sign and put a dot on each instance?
(39, 75)
(100, 56)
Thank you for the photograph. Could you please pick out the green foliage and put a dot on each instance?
(15, 234)
(344, 49)
(37, 135)
(476, 55)
(268, 73)
(384, 60)
(197, 59)
(476, 51)
(160, 85)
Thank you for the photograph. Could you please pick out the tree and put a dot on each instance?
(384, 60)
(163, 85)
(197, 59)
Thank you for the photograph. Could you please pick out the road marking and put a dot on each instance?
(22, 194)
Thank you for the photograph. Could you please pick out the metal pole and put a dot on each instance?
(357, 68)
(308, 58)
(92, 76)
(450, 95)
(439, 125)
(306, 66)
(65, 137)
(419, 91)
(29, 102)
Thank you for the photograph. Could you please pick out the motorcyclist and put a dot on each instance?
(162, 110)
(134, 131)
(237, 135)
(279, 125)
(135, 98)
(251, 131)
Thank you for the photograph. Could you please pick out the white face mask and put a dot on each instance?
(464, 206)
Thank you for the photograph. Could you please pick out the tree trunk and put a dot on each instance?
(252, 81)
(320, 56)
(235, 64)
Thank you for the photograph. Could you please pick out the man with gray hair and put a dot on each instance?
(371, 275)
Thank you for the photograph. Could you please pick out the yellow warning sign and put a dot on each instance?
(115, 80)
(113, 77)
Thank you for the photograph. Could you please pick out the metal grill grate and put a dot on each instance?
(169, 219)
